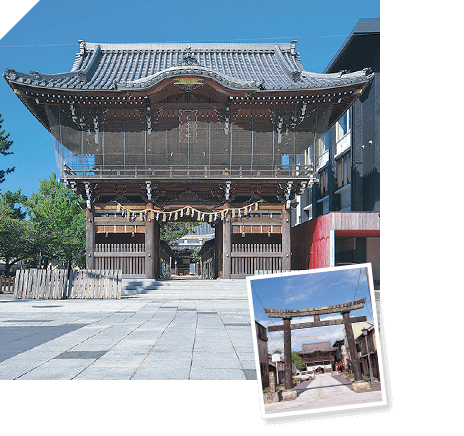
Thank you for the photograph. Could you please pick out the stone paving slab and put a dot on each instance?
(174, 334)
(323, 392)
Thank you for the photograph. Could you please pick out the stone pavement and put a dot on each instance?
(321, 393)
(189, 330)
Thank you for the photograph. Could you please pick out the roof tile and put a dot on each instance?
(237, 66)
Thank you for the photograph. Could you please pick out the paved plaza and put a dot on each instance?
(323, 392)
(176, 330)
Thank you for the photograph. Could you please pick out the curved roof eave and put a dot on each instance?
(193, 70)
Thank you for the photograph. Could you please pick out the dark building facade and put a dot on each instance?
(337, 221)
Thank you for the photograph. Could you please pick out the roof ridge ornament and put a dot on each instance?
(82, 47)
(188, 58)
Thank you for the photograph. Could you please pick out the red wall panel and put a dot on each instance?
(310, 244)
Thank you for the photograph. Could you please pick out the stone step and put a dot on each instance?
(186, 288)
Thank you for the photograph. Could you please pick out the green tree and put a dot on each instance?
(5, 145)
(195, 256)
(12, 203)
(297, 361)
(56, 213)
(174, 230)
(17, 236)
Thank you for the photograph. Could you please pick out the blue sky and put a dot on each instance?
(45, 40)
(310, 289)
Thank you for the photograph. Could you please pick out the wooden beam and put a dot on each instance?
(323, 310)
(117, 221)
(286, 248)
(150, 244)
(257, 221)
(288, 354)
(261, 254)
(120, 254)
(308, 325)
(226, 248)
(352, 346)
(90, 238)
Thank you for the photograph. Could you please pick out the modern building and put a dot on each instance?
(337, 221)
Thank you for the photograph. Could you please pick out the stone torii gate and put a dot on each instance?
(288, 314)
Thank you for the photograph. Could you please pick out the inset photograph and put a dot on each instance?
(317, 341)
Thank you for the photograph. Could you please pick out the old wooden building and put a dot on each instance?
(318, 356)
(148, 133)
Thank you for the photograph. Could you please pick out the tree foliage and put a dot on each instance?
(5, 145)
(297, 361)
(56, 229)
(17, 236)
(173, 230)
(60, 221)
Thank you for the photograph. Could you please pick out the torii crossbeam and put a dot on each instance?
(288, 314)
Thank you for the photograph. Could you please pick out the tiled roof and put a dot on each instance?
(313, 346)
(267, 66)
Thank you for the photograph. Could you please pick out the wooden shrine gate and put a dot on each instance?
(288, 314)
(249, 239)
(154, 129)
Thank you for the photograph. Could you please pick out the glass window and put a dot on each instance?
(344, 170)
(343, 125)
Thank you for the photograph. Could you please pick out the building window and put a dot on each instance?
(343, 125)
(263, 370)
(285, 161)
(344, 170)
(323, 143)
(324, 182)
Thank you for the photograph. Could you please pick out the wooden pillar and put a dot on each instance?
(156, 250)
(286, 247)
(288, 353)
(149, 244)
(218, 247)
(352, 346)
(90, 238)
(226, 246)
